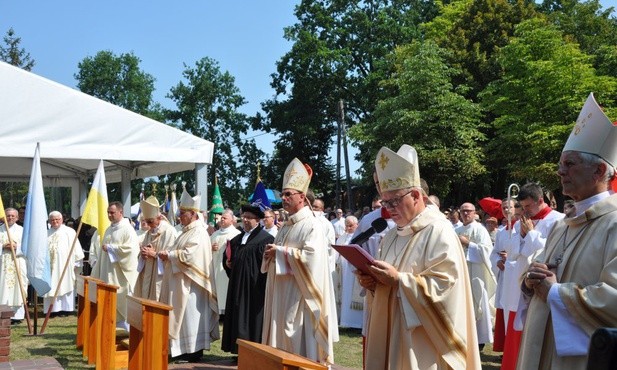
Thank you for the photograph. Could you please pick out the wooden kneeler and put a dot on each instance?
(259, 356)
(102, 348)
(149, 334)
(83, 313)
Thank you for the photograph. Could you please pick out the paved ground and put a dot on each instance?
(220, 365)
(49, 363)
(45, 363)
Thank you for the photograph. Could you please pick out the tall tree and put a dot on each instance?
(11, 53)
(338, 53)
(428, 112)
(473, 31)
(545, 83)
(207, 106)
(583, 21)
(117, 79)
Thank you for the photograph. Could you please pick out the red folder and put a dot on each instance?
(360, 258)
(228, 251)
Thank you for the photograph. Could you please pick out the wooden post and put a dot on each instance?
(149, 334)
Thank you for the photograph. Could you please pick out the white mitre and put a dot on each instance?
(297, 176)
(190, 204)
(594, 133)
(149, 208)
(397, 170)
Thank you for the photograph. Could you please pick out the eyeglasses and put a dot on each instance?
(394, 202)
(288, 194)
(268, 216)
(149, 221)
(467, 210)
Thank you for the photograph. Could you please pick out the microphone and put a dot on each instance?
(377, 226)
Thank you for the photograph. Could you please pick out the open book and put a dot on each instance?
(357, 256)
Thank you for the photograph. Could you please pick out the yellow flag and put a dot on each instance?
(95, 211)
(2, 215)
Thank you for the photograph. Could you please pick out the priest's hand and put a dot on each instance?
(163, 255)
(9, 245)
(366, 281)
(270, 251)
(464, 240)
(148, 251)
(385, 273)
(215, 247)
(526, 225)
(536, 274)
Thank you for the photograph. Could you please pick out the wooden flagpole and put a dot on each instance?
(66, 265)
(24, 296)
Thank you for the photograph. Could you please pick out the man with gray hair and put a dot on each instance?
(477, 244)
(421, 310)
(10, 291)
(571, 290)
(60, 238)
(219, 240)
(159, 236)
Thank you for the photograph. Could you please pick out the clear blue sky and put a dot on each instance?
(245, 37)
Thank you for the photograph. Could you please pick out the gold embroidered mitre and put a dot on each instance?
(149, 207)
(190, 204)
(297, 176)
(594, 133)
(397, 170)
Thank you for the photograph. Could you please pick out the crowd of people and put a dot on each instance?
(534, 282)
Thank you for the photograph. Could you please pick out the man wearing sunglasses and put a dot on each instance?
(300, 313)
(160, 236)
(421, 310)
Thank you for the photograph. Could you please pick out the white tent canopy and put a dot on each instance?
(76, 131)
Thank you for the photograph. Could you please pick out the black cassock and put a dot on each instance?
(244, 309)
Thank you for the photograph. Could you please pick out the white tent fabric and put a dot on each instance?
(76, 131)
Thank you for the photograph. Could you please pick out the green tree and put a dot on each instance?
(583, 21)
(11, 53)
(116, 79)
(338, 52)
(207, 106)
(474, 31)
(428, 112)
(545, 83)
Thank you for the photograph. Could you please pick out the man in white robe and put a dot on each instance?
(351, 300)
(503, 239)
(60, 239)
(187, 286)
(219, 239)
(159, 236)
(10, 292)
(419, 292)
(300, 312)
(529, 237)
(572, 288)
(478, 246)
(116, 262)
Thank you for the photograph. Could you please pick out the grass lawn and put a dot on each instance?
(59, 342)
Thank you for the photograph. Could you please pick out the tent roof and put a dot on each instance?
(76, 131)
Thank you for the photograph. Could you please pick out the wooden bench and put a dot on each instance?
(259, 356)
(102, 347)
(83, 313)
(149, 334)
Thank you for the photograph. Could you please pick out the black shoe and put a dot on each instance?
(195, 356)
(15, 322)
